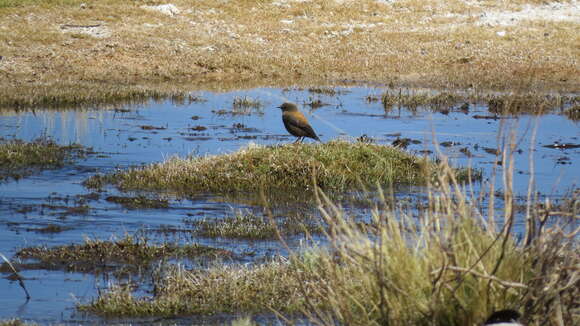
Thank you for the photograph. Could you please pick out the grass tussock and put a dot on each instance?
(18, 158)
(95, 255)
(251, 226)
(335, 166)
(433, 43)
(218, 289)
(442, 269)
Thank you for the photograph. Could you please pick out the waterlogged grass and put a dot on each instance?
(94, 255)
(242, 103)
(251, 226)
(335, 166)
(138, 202)
(219, 289)
(573, 113)
(503, 104)
(528, 103)
(448, 264)
(392, 98)
(86, 95)
(18, 158)
(405, 273)
(242, 106)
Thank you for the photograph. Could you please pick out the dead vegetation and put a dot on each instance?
(71, 52)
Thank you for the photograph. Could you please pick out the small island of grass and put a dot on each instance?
(18, 158)
(336, 166)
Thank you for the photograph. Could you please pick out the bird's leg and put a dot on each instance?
(297, 139)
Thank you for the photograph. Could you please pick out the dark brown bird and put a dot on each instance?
(296, 123)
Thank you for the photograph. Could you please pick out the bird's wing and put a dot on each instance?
(298, 123)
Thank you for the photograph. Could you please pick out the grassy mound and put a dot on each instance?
(334, 166)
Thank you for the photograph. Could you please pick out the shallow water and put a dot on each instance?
(121, 140)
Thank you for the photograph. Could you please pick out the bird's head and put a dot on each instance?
(288, 107)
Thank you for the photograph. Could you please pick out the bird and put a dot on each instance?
(506, 317)
(296, 123)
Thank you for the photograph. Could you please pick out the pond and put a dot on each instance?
(214, 123)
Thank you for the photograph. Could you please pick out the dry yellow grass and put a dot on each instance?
(69, 51)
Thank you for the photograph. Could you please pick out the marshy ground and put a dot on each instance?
(133, 200)
(134, 190)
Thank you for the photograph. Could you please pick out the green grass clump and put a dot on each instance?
(218, 289)
(131, 252)
(446, 265)
(251, 226)
(446, 268)
(18, 158)
(335, 166)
